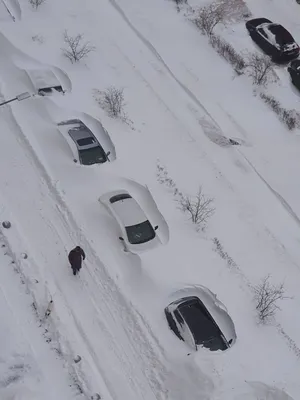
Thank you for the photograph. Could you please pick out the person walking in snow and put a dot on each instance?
(76, 256)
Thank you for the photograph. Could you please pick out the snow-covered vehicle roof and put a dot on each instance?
(89, 142)
(45, 79)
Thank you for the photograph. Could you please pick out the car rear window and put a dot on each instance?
(86, 141)
(281, 34)
(204, 329)
(119, 197)
(140, 233)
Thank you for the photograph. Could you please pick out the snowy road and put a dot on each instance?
(118, 348)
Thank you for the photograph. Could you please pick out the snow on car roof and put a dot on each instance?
(43, 78)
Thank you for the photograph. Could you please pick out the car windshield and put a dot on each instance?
(94, 155)
(282, 36)
(140, 233)
(203, 327)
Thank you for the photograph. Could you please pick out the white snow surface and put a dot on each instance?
(183, 103)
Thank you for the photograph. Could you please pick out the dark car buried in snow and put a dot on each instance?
(201, 322)
(294, 71)
(273, 39)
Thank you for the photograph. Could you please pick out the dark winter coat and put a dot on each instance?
(75, 258)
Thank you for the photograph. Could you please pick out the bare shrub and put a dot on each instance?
(236, 10)
(36, 3)
(76, 49)
(291, 118)
(266, 298)
(260, 68)
(227, 51)
(209, 16)
(112, 101)
(38, 38)
(180, 2)
(222, 253)
(200, 208)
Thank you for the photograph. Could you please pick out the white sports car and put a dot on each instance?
(139, 221)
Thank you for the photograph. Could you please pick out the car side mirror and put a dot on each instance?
(75, 161)
(120, 237)
(156, 227)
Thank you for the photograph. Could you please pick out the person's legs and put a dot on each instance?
(74, 270)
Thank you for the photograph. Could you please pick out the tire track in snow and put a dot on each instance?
(289, 341)
(159, 58)
(278, 196)
(116, 306)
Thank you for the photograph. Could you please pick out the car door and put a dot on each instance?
(184, 330)
(264, 41)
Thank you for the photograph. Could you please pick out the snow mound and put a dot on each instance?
(20, 392)
(253, 390)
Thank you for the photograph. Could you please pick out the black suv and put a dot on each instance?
(273, 39)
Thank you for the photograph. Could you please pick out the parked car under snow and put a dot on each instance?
(45, 82)
(89, 142)
(201, 320)
(141, 224)
(294, 71)
(273, 39)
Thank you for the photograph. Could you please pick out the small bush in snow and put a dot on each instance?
(200, 208)
(266, 298)
(76, 49)
(180, 2)
(222, 253)
(209, 16)
(77, 359)
(259, 67)
(164, 178)
(227, 51)
(289, 117)
(38, 38)
(6, 224)
(112, 101)
(36, 3)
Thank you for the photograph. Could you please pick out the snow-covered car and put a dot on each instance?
(84, 144)
(294, 71)
(46, 81)
(273, 39)
(201, 320)
(140, 230)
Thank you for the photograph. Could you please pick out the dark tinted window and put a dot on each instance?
(140, 233)
(119, 197)
(203, 327)
(86, 141)
(95, 155)
(281, 34)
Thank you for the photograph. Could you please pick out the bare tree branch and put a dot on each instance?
(200, 208)
(266, 297)
(259, 67)
(76, 49)
(36, 3)
(210, 16)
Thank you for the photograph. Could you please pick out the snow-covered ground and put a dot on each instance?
(183, 103)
